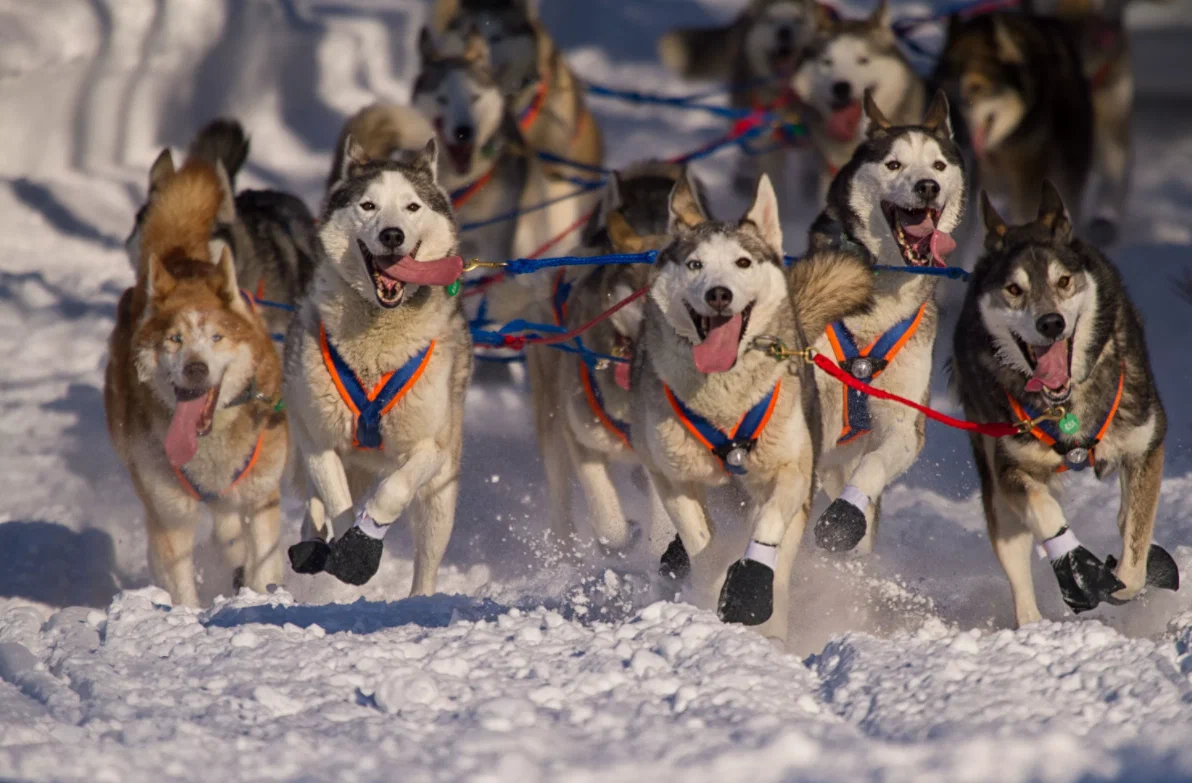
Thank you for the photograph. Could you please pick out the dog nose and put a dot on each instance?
(463, 133)
(927, 189)
(392, 238)
(842, 91)
(1050, 326)
(195, 373)
(719, 298)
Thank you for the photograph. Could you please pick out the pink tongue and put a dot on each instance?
(621, 375)
(842, 123)
(182, 438)
(941, 243)
(718, 351)
(1051, 369)
(444, 271)
(979, 141)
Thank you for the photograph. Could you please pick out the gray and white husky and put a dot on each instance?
(377, 364)
(895, 203)
(847, 58)
(1047, 330)
(707, 406)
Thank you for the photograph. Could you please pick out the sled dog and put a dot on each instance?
(1018, 83)
(377, 363)
(271, 233)
(708, 406)
(895, 203)
(192, 392)
(1047, 333)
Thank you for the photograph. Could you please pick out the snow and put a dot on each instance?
(529, 666)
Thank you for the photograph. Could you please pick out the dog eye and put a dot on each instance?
(413, 207)
(695, 265)
(893, 165)
(176, 338)
(216, 338)
(1064, 281)
(744, 262)
(939, 165)
(367, 206)
(1014, 289)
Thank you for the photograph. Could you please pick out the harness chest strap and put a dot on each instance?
(461, 196)
(370, 407)
(729, 449)
(618, 428)
(207, 496)
(865, 364)
(1077, 456)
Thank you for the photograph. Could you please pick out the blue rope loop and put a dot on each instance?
(275, 305)
(950, 272)
(525, 266)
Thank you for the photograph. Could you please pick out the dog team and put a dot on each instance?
(362, 410)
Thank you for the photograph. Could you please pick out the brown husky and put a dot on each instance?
(192, 395)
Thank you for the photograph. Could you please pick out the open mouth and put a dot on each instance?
(844, 120)
(461, 156)
(1051, 367)
(720, 338)
(194, 414)
(915, 232)
(389, 290)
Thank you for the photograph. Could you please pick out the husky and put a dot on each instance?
(1048, 335)
(758, 52)
(271, 233)
(192, 393)
(847, 58)
(1024, 100)
(542, 93)
(706, 406)
(377, 364)
(896, 203)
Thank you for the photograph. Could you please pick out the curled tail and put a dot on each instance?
(222, 140)
(180, 218)
(829, 285)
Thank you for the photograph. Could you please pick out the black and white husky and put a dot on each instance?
(1047, 330)
(378, 360)
(895, 203)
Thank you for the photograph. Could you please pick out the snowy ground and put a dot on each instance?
(527, 668)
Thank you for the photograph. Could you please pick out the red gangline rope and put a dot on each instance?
(517, 341)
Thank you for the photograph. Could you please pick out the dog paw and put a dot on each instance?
(748, 593)
(1103, 232)
(1161, 571)
(309, 557)
(237, 579)
(841, 527)
(675, 563)
(1084, 580)
(355, 558)
(632, 536)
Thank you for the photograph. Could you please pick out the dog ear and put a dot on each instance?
(353, 158)
(938, 119)
(995, 227)
(685, 210)
(1053, 215)
(161, 170)
(624, 239)
(824, 16)
(476, 51)
(879, 20)
(1008, 48)
(764, 214)
(225, 284)
(159, 283)
(527, 7)
(878, 124)
(428, 158)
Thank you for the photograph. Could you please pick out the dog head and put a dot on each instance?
(777, 32)
(717, 284)
(509, 28)
(847, 59)
(385, 213)
(197, 345)
(462, 100)
(1038, 298)
(903, 192)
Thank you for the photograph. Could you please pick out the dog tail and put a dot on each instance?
(381, 129)
(700, 52)
(222, 140)
(827, 286)
(182, 214)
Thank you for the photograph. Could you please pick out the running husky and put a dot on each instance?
(378, 318)
(192, 392)
(1019, 85)
(895, 203)
(847, 58)
(716, 290)
(1048, 331)
(271, 233)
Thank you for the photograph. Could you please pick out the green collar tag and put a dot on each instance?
(453, 288)
(1069, 424)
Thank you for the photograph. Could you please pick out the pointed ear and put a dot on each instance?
(159, 283)
(995, 227)
(878, 124)
(1053, 214)
(225, 283)
(764, 214)
(476, 51)
(227, 203)
(352, 158)
(685, 210)
(427, 50)
(824, 16)
(1008, 48)
(938, 119)
(624, 239)
(527, 7)
(428, 158)
(161, 170)
(880, 18)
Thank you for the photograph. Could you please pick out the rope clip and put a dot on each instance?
(476, 263)
(776, 349)
(1051, 414)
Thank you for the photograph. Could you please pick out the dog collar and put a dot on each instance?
(529, 115)
(865, 364)
(1077, 455)
(370, 407)
(731, 450)
(207, 496)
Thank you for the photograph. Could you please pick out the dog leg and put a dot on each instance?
(556, 464)
(1010, 539)
(171, 550)
(433, 518)
(608, 520)
(776, 626)
(229, 535)
(325, 471)
(264, 565)
(1136, 519)
(685, 505)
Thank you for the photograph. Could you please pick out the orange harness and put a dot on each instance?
(729, 449)
(206, 496)
(463, 195)
(1077, 456)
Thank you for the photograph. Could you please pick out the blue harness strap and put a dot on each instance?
(558, 298)
(745, 434)
(370, 407)
(1077, 455)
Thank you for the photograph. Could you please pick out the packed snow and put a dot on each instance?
(529, 666)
